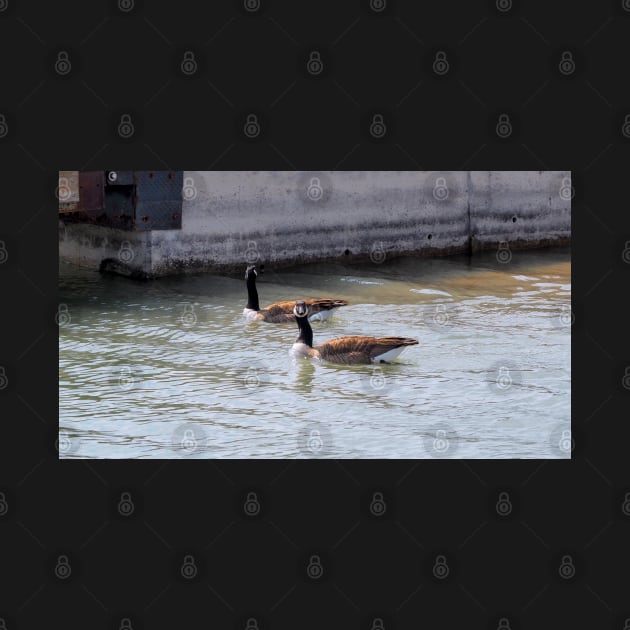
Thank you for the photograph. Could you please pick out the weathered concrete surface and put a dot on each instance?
(107, 249)
(522, 208)
(294, 217)
(287, 217)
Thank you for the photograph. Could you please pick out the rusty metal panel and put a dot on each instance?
(68, 191)
(119, 207)
(158, 215)
(158, 200)
(120, 178)
(130, 200)
(91, 191)
(159, 185)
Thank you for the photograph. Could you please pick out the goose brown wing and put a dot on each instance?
(360, 349)
(317, 305)
(280, 307)
(279, 312)
(314, 305)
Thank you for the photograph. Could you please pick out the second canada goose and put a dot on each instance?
(346, 350)
(282, 312)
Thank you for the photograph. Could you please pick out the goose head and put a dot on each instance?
(250, 272)
(300, 309)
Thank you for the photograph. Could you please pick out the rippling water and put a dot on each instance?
(169, 368)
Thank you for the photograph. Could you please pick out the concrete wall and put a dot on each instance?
(286, 217)
(98, 247)
(519, 207)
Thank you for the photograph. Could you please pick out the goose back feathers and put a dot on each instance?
(346, 350)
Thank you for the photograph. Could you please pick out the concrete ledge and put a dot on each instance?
(287, 217)
(90, 245)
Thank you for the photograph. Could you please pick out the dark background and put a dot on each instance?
(124, 571)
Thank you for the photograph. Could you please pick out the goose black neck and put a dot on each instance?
(306, 332)
(252, 293)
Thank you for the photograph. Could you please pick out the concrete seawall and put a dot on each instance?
(229, 218)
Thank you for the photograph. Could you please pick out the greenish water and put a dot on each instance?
(169, 368)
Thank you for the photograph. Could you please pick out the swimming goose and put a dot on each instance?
(346, 350)
(282, 312)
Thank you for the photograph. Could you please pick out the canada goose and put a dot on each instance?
(345, 349)
(282, 312)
